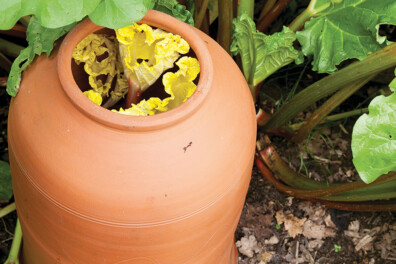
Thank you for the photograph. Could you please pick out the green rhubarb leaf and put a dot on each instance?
(40, 40)
(374, 139)
(5, 181)
(344, 29)
(50, 13)
(120, 13)
(262, 55)
(173, 8)
(10, 13)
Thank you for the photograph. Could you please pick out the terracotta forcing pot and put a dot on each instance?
(94, 186)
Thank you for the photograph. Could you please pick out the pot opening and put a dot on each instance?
(74, 81)
(102, 63)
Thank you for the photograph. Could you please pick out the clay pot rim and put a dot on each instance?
(136, 123)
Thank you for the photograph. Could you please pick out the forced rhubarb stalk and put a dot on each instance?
(134, 93)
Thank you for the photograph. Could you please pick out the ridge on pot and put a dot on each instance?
(94, 186)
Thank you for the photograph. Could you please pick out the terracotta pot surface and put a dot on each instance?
(94, 186)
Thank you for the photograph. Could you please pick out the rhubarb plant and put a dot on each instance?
(330, 32)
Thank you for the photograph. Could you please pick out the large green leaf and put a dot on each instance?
(374, 139)
(40, 40)
(344, 29)
(120, 13)
(10, 13)
(58, 13)
(173, 8)
(262, 55)
(5, 181)
(50, 13)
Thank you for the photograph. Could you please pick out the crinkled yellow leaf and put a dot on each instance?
(178, 85)
(91, 51)
(94, 96)
(87, 51)
(144, 107)
(146, 53)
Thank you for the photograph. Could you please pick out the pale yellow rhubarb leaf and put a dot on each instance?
(143, 108)
(179, 86)
(94, 96)
(146, 52)
(99, 53)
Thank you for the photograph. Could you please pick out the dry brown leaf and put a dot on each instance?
(315, 231)
(266, 257)
(329, 222)
(315, 244)
(354, 226)
(272, 241)
(351, 234)
(307, 207)
(365, 243)
(315, 213)
(293, 225)
(247, 246)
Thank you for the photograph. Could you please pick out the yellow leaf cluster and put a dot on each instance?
(178, 85)
(146, 52)
(144, 55)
